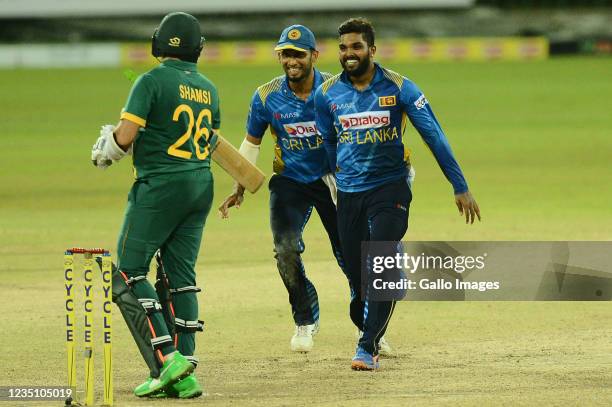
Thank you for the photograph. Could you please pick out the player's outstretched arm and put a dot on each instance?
(467, 206)
(423, 119)
(250, 150)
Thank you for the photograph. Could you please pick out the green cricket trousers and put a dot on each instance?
(167, 212)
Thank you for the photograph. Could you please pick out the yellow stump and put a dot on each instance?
(88, 329)
(69, 286)
(107, 321)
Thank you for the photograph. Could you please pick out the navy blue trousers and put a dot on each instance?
(291, 204)
(378, 214)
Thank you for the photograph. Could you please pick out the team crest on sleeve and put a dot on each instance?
(386, 101)
(421, 102)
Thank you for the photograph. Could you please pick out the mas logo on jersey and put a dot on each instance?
(302, 129)
(365, 120)
(385, 101)
(421, 102)
(333, 107)
(175, 42)
(289, 115)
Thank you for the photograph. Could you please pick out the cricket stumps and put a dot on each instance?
(71, 286)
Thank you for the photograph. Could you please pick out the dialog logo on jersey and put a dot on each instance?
(302, 129)
(365, 120)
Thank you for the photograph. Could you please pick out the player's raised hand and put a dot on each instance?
(235, 199)
(467, 206)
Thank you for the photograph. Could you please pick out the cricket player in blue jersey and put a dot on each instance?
(361, 114)
(302, 177)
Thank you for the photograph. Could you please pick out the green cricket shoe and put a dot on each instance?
(172, 370)
(186, 388)
(143, 389)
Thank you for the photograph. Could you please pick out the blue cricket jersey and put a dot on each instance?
(362, 130)
(298, 151)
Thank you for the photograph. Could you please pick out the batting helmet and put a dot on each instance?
(178, 35)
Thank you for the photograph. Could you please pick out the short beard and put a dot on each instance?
(361, 68)
(307, 70)
(297, 79)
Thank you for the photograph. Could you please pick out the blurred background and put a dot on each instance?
(430, 29)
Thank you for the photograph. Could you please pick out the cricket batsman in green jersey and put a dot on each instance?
(167, 125)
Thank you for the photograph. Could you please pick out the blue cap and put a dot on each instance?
(296, 37)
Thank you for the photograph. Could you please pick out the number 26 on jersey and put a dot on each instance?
(199, 132)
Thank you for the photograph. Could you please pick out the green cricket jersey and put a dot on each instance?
(177, 108)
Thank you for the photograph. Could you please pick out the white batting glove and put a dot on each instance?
(106, 150)
(99, 158)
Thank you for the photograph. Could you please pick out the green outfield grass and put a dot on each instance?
(534, 141)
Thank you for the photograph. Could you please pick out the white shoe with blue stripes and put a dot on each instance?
(302, 340)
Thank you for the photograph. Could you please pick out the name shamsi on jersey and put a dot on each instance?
(194, 94)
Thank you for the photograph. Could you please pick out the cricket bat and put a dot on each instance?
(238, 167)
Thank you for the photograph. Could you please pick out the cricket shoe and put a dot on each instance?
(302, 338)
(186, 388)
(364, 360)
(384, 349)
(174, 368)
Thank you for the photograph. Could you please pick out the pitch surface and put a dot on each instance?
(533, 140)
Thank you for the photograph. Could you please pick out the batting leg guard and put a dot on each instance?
(186, 320)
(136, 319)
(152, 306)
(162, 287)
(180, 326)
